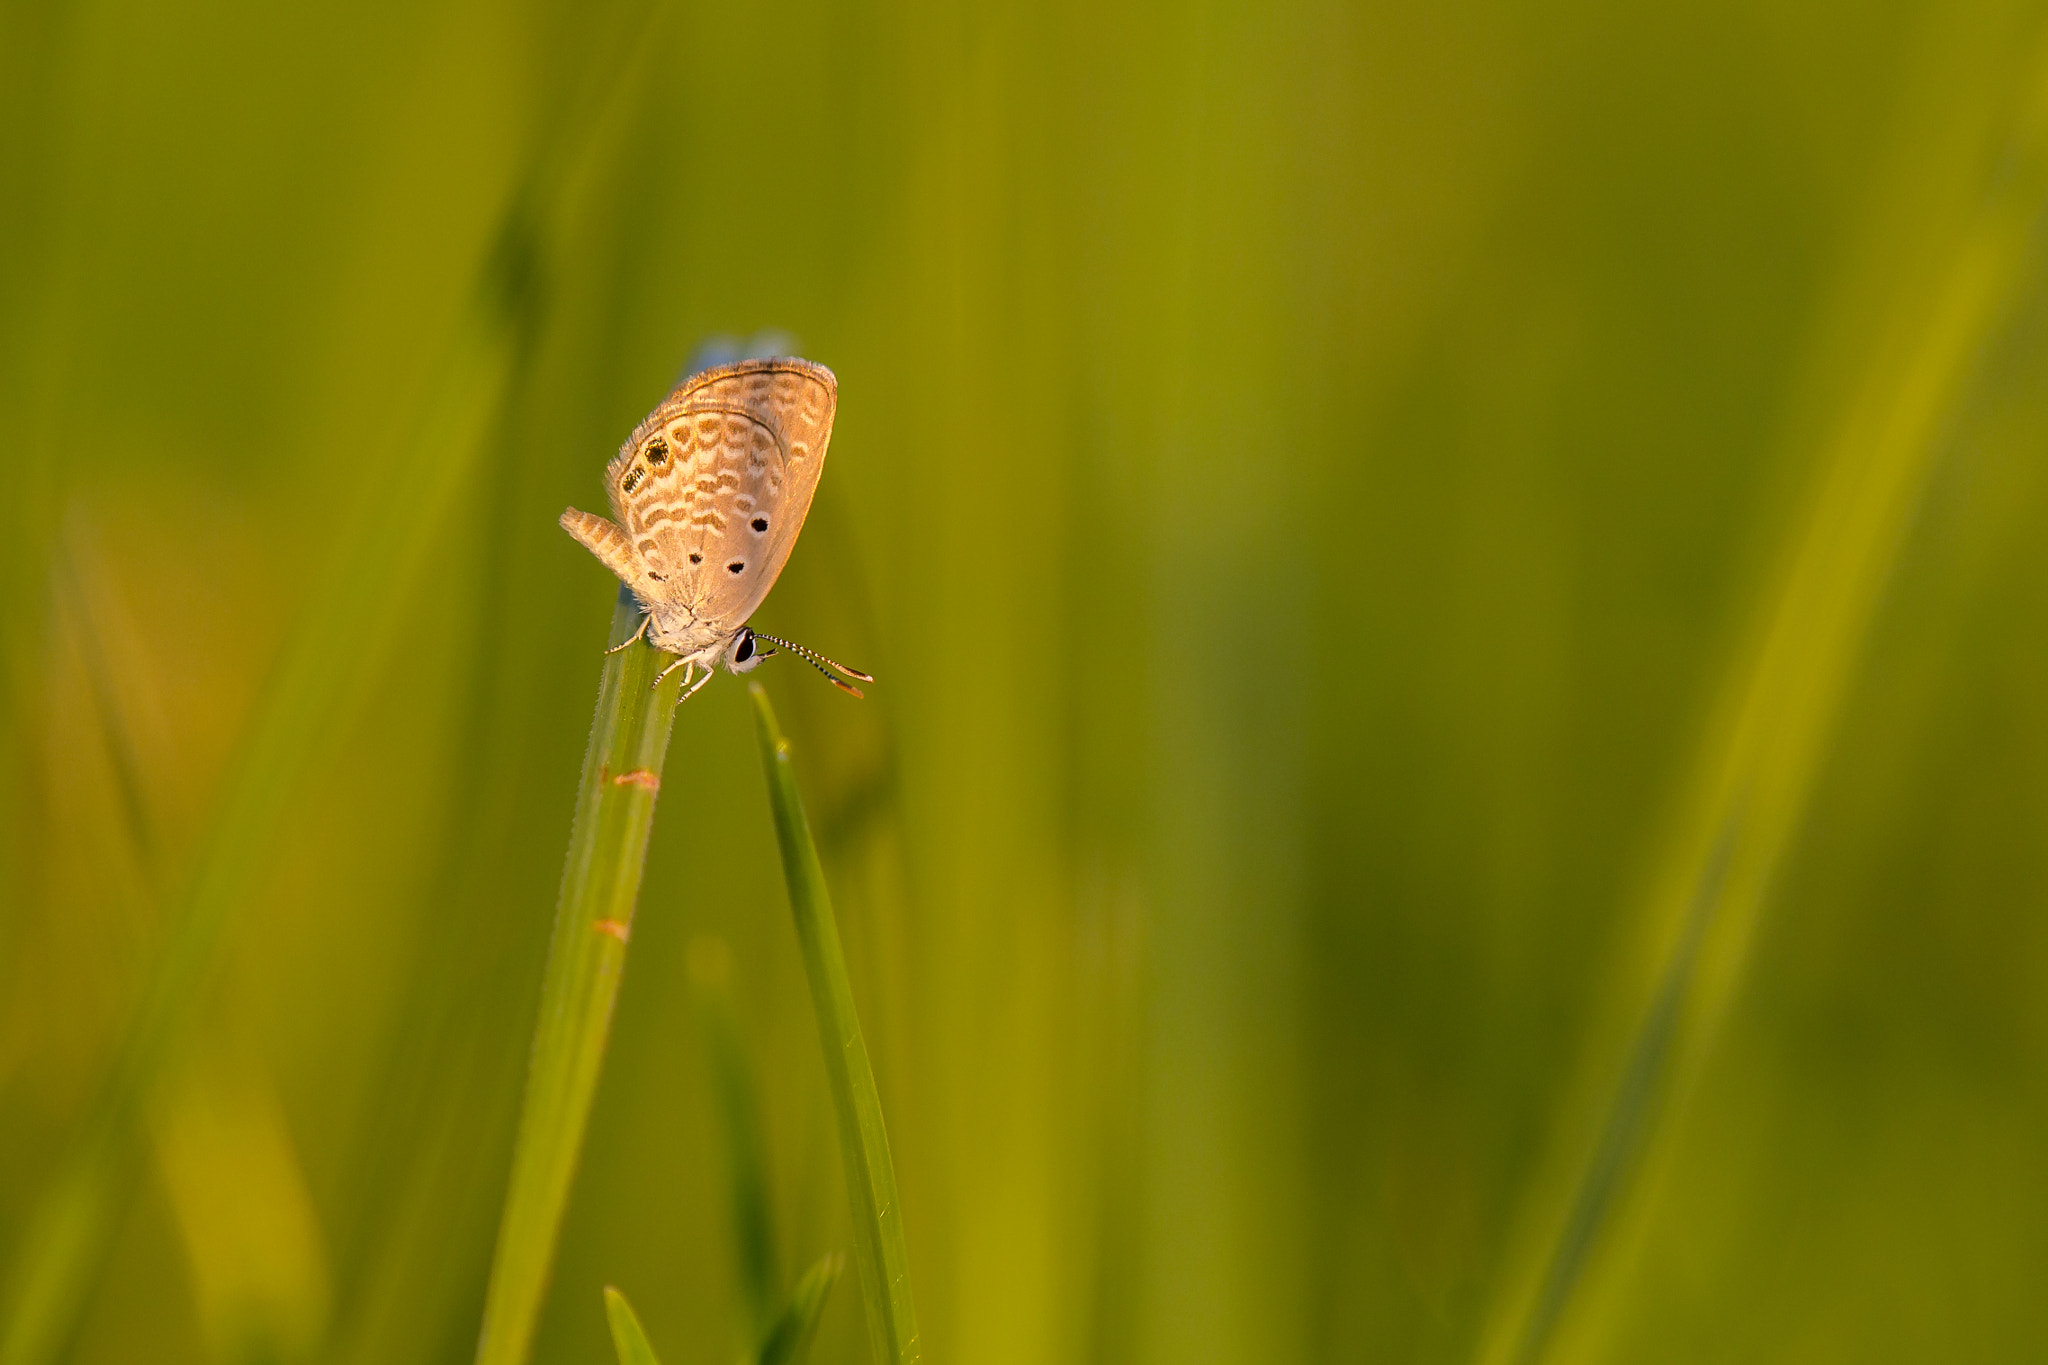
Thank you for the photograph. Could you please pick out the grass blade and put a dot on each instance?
(753, 1230)
(600, 885)
(1777, 713)
(629, 1339)
(789, 1341)
(870, 1178)
(351, 613)
(342, 633)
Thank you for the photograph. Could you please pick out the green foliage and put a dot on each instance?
(345, 630)
(628, 1339)
(622, 771)
(1779, 704)
(753, 1232)
(789, 1338)
(1458, 772)
(788, 1341)
(863, 1140)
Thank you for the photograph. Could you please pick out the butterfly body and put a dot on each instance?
(708, 495)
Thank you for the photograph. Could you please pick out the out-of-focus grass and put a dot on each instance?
(863, 1137)
(789, 1337)
(629, 1339)
(1316, 483)
(345, 622)
(1780, 705)
(778, 1331)
(753, 1231)
(345, 626)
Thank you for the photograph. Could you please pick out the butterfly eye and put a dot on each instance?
(745, 653)
(657, 453)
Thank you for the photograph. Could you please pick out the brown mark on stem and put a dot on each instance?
(638, 777)
(616, 928)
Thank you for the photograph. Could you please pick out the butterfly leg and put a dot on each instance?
(708, 671)
(683, 664)
(636, 635)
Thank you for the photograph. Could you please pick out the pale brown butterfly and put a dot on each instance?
(709, 493)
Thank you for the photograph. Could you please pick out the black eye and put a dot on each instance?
(760, 523)
(745, 651)
(736, 566)
(657, 452)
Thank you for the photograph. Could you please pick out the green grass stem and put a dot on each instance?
(1779, 705)
(789, 1341)
(593, 920)
(753, 1227)
(345, 629)
(863, 1142)
(629, 1338)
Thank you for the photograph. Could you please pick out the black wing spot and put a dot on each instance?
(760, 523)
(696, 558)
(736, 566)
(657, 452)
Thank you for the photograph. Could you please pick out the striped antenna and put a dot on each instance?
(819, 662)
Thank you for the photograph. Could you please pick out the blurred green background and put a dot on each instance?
(1460, 770)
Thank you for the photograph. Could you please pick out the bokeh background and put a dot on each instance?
(1460, 770)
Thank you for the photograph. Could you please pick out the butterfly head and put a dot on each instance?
(746, 651)
(749, 647)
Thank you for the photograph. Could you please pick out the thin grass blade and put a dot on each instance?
(753, 1229)
(789, 1341)
(870, 1178)
(586, 955)
(342, 634)
(629, 1339)
(1777, 713)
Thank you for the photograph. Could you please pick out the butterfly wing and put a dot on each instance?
(713, 487)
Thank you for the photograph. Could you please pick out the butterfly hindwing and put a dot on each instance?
(713, 487)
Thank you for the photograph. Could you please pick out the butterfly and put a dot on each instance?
(709, 493)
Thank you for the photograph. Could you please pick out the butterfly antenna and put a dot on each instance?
(819, 662)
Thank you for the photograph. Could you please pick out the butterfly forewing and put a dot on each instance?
(713, 487)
